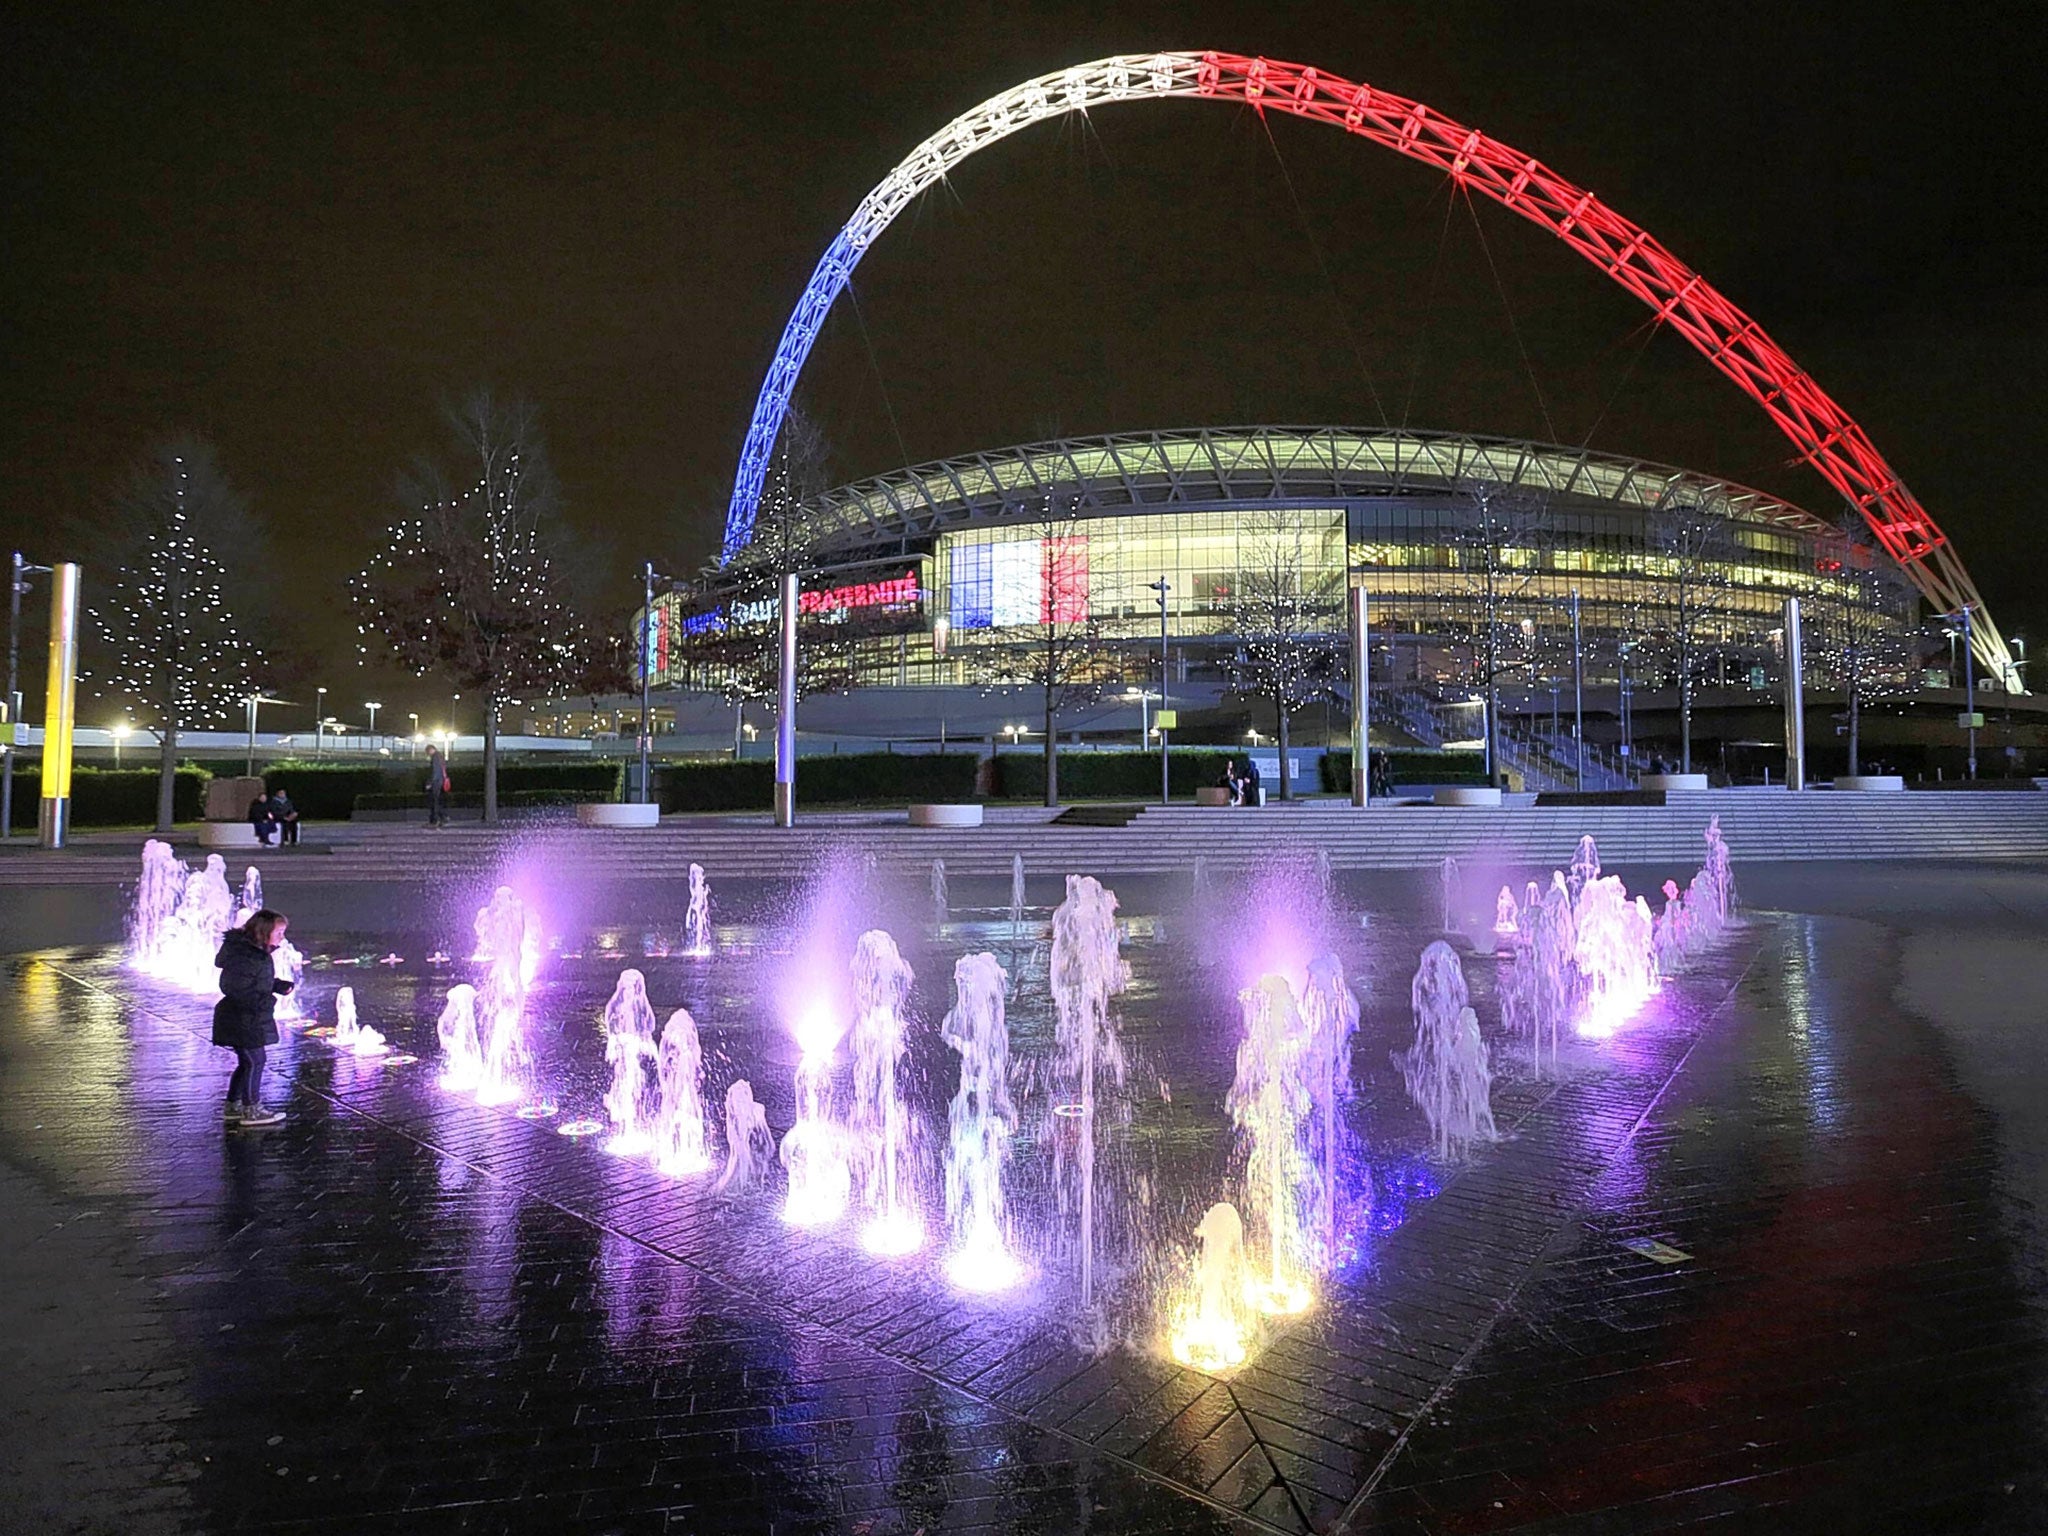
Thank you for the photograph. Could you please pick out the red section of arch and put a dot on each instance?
(1827, 437)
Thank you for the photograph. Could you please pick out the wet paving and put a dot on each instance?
(1773, 1259)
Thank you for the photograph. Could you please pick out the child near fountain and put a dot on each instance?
(244, 1020)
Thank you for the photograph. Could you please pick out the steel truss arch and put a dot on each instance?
(1826, 436)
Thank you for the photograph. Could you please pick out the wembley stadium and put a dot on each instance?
(944, 573)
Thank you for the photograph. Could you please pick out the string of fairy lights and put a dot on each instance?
(175, 657)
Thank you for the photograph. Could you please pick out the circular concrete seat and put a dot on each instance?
(1466, 794)
(227, 834)
(942, 815)
(618, 815)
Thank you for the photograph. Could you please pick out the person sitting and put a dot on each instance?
(286, 815)
(1232, 782)
(1248, 786)
(261, 819)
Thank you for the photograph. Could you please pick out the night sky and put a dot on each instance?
(297, 235)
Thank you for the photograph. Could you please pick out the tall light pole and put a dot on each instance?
(1361, 700)
(1969, 685)
(319, 720)
(17, 585)
(120, 733)
(646, 679)
(413, 716)
(249, 768)
(1795, 698)
(1162, 587)
(785, 708)
(1578, 693)
(373, 708)
(53, 824)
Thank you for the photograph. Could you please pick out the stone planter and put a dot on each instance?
(227, 834)
(1695, 781)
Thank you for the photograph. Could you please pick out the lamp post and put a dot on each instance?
(413, 716)
(319, 721)
(1162, 587)
(1795, 698)
(1361, 697)
(1578, 695)
(120, 733)
(373, 708)
(17, 585)
(1969, 681)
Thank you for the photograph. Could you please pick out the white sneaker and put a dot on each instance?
(256, 1116)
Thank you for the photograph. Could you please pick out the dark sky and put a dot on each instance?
(295, 235)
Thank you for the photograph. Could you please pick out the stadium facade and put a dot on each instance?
(950, 573)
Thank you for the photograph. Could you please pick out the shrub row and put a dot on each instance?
(1415, 766)
(331, 791)
(110, 797)
(838, 778)
(473, 799)
(1111, 775)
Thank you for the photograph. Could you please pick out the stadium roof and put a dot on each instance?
(1207, 466)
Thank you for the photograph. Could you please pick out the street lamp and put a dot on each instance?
(253, 700)
(16, 586)
(120, 732)
(319, 719)
(1142, 697)
(373, 708)
(1162, 587)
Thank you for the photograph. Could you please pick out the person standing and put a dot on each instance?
(437, 788)
(245, 1018)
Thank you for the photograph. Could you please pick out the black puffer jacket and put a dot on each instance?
(246, 1016)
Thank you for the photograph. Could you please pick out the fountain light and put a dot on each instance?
(893, 1233)
(813, 1150)
(580, 1128)
(985, 1270)
(1211, 1328)
(540, 1110)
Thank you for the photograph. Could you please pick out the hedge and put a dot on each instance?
(1112, 775)
(838, 778)
(328, 791)
(110, 797)
(1410, 767)
(592, 780)
(473, 799)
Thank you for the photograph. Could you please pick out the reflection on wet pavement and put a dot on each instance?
(404, 1312)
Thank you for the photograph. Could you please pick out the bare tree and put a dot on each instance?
(1288, 609)
(1052, 642)
(466, 587)
(172, 651)
(1692, 542)
(1497, 544)
(1865, 646)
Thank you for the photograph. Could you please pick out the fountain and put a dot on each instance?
(882, 1133)
(1326, 880)
(1446, 1069)
(1087, 971)
(629, 1050)
(156, 899)
(1672, 935)
(1211, 1327)
(814, 1149)
(509, 948)
(252, 895)
(1331, 1013)
(1615, 954)
(1585, 867)
(464, 1057)
(679, 1145)
(1447, 891)
(290, 966)
(1016, 895)
(697, 923)
(982, 1121)
(1199, 882)
(349, 1034)
(941, 903)
(1506, 926)
(749, 1148)
(1269, 1102)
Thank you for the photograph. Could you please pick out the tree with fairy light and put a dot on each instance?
(1288, 610)
(1036, 593)
(1692, 550)
(468, 588)
(169, 648)
(1497, 540)
(1865, 643)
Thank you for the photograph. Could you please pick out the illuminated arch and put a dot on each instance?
(1826, 435)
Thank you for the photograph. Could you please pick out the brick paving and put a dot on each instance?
(402, 1312)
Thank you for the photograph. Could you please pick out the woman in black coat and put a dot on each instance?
(245, 1018)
